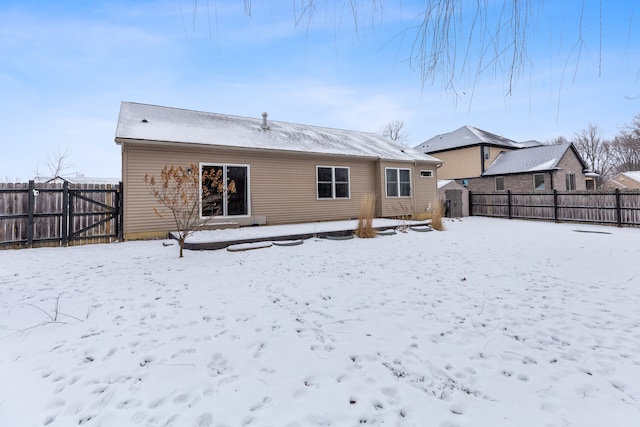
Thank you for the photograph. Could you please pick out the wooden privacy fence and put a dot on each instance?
(621, 208)
(59, 214)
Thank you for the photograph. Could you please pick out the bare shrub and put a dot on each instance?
(436, 215)
(179, 191)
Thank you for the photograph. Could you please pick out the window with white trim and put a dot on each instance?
(426, 173)
(332, 182)
(398, 182)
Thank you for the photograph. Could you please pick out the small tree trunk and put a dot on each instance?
(181, 245)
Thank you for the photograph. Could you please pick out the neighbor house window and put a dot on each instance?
(485, 152)
(499, 183)
(332, 182)
(398, 182)
(570, 179)
(426, 173)
(538, 181)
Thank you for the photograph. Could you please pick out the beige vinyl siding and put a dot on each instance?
(462, 163)
(282, 185)
(466, 162)
(423, 190)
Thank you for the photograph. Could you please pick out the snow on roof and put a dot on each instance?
(532, 159)
(634, 175)
(156, 123)
(466, 136)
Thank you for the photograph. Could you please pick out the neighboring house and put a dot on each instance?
(482, 161)
(626, 180)
(283, 172)
(468, 151)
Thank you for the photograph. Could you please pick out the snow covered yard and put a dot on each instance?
(490, 323)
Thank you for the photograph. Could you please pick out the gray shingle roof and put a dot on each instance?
(464, 137)
(154, 123)
(541, 158)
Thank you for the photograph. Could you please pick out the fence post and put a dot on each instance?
(470, 204)
(509, 204)
(31, 197)
(618, 208)
(119, 211)
(65, 213)
(555, 205)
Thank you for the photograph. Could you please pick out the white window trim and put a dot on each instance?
(430, 173)
(224, 176)
(410, 184)
(333, 182)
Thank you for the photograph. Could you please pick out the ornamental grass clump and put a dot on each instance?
(365, 228)
(436, 216)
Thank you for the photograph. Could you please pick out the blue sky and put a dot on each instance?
(66, 66)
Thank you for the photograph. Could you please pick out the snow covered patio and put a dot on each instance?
(489, 323)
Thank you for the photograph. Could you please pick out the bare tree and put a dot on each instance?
(182, 196)
(595, 151)
(58, 164)
(625, 147)
(394, 130)
(557, 140)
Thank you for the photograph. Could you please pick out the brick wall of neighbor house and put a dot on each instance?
(521, 183)
(569, 164)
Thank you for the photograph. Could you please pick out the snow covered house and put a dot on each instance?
(629, 180)
(485, 162)
(283, 172)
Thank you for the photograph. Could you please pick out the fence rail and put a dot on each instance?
(59, 214)
(621, 208)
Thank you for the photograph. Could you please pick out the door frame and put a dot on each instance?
(224, 167)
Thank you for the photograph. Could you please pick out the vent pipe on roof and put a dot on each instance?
(264, 126)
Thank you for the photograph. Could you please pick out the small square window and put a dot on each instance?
(538, 182)
(499, 183)
(426, 173)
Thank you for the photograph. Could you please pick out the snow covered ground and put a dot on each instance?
(489, 323)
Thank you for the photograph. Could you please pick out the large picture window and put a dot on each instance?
(398, 182)
(332, 182)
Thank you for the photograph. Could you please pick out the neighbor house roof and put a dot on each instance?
(144, 122)
(632, 175)
(534, 159)
(468, 136)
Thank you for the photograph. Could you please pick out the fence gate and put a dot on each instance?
(60, 214)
